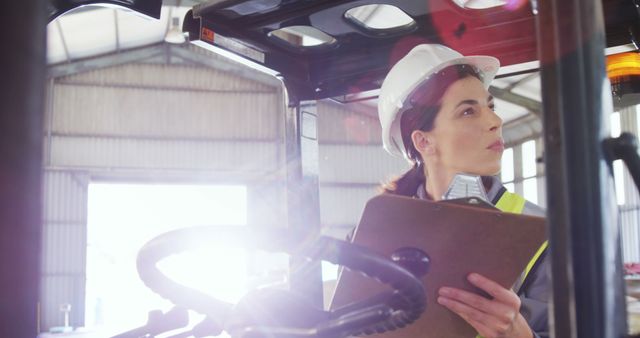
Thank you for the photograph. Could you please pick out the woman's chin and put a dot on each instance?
(479, 173)
(489, 171)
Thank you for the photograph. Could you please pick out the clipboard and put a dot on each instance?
(458, 240)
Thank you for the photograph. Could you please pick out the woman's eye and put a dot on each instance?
(469, 111)
(492, 107)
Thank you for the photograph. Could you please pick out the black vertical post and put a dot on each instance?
(588, 300)
(302, 185)
(22, 70)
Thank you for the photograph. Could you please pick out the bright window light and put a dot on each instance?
(510, 187)
(615, 124)
(329, 271)
(123, 217)
(618, 176)
(530, 189)
(529, 159)
(507, 165)
(618, 165)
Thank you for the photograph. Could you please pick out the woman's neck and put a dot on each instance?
(437, 183)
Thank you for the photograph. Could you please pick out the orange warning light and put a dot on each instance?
(623, 64)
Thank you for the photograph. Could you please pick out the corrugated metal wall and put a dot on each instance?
(150, 116)
(353, 164)
(64, 238)
(126, 152)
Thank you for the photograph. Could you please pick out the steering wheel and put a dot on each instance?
(281, 313)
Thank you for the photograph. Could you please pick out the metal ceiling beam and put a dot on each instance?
(523, 128)
(506, 95)
(104, 61)
(161, 49)
(526, 78)
(115, 22)
(64, 41)
(222, 64)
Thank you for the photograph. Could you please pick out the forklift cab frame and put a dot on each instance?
(567, 37)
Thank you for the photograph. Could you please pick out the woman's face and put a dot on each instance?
(467, 133)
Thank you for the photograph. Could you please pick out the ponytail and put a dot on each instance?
(408, 183)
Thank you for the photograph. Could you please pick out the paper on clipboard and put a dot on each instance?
(458, 240)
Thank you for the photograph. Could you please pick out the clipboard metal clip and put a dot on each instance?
(471, 202)
(467, 190)
(465, 185)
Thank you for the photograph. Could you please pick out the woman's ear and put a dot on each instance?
(422, 142)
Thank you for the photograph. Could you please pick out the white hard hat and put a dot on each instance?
(413, 69)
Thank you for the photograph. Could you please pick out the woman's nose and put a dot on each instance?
(495, 122)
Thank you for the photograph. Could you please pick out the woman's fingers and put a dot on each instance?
(485, 324)
(464, 310)
(482, 329)
(493, 307)
(482, 322)
(496, 317)
(476, 320)
(497, 291)
(474, 307)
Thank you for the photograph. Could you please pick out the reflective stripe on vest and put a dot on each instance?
(514, 203)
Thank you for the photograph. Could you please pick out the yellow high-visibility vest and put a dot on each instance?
(514, 203)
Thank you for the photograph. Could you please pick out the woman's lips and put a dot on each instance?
(497, 146)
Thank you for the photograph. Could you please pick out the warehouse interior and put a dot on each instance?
(145, 133)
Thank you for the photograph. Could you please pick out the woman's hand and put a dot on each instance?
(493, 318)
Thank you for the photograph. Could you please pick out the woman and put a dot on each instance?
(435, 111)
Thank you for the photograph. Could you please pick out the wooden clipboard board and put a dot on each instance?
(458, 240)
